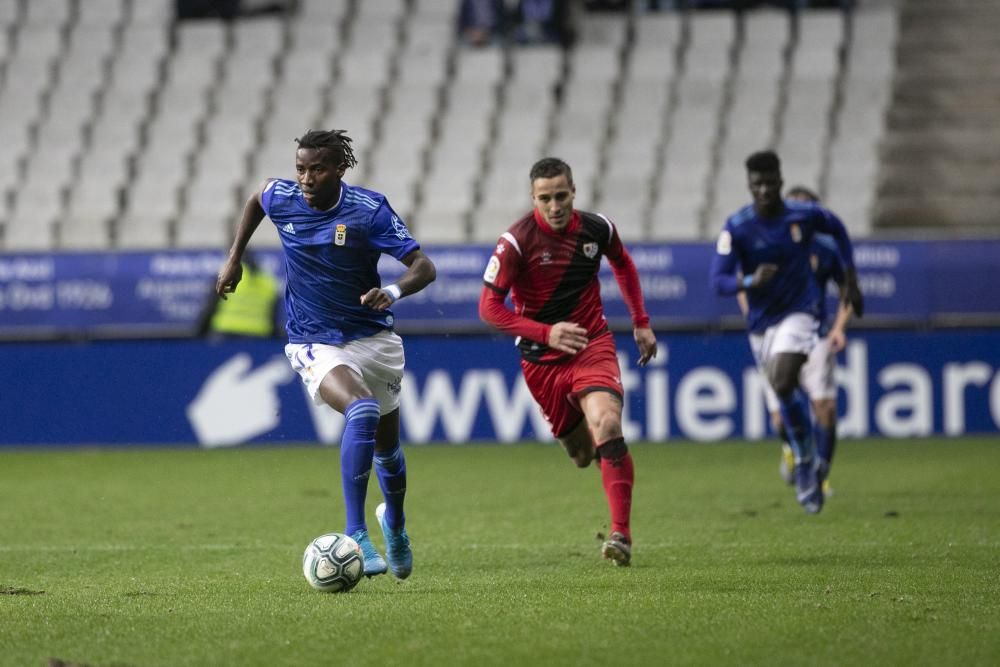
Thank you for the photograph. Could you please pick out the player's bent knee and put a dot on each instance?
(783, 383)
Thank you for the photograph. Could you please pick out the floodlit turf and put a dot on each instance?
(183, 557)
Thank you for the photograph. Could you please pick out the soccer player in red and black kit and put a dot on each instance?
(548, 261)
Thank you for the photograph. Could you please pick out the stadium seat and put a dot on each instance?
(48, 12)
(153, 13)
(113, 95)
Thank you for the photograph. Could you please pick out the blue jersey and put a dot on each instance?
(749, 240)
(826, 266)
(331, 260)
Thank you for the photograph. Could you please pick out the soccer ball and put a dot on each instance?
(333, 563)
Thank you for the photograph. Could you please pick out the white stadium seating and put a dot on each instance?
(123, 127)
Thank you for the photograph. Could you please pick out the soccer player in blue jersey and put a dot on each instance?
(817, 374)
(340, 337)
(764, 250)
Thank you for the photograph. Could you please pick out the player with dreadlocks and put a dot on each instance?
(340, 337)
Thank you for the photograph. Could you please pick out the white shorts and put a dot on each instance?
(377, 359)
(796, 333)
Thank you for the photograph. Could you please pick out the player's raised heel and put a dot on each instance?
(808, 489)
(787, 466)
(617, 549)
(397, 546)
(374, 563)
(823, 474)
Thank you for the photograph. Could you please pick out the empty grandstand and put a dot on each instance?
(124, 127)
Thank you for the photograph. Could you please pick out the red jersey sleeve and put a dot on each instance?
(501, 273)
(627, 277)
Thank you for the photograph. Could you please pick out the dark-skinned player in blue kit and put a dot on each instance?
(764, 250)
(817, 374)
(340, 336)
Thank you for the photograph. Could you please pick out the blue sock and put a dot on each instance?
(357, 446)
(795, 414)
(826, 442)
(391, 471)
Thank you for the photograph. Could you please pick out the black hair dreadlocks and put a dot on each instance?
(335, 141)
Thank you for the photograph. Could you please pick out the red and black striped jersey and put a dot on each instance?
(551, 277)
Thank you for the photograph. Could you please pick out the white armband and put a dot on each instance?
(393, 291)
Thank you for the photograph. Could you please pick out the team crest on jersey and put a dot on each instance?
(814, 262)
(340, 235)
(492, 269)
(590, 250)
(796, 233)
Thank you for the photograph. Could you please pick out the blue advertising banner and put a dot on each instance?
(460, 389)
(103, 295)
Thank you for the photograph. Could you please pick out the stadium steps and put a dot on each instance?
(31, 204)
(413, 97)
(849, 184)
(752, 102)
(938, 159)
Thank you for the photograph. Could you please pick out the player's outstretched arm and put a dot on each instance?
(232, 270)
(646, 340)
(830, 224)
(851, 295)
(420, 272)
(838, 330)
(627, 277)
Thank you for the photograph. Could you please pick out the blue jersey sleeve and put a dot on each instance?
(722, 275)
(266, 195)
(826, 222)
(829, 265)
(388, 233)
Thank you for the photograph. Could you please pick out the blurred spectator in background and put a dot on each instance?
(251, 312)
(481, 22)
(543, 21)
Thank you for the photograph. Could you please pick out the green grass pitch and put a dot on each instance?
(185, 557)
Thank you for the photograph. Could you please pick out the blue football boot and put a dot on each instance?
(374, 563)
(397, 546)
(808, 487)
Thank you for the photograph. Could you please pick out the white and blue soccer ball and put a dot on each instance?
(333, 563)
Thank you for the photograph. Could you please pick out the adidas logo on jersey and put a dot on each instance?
(288, 228)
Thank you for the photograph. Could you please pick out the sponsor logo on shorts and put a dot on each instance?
(394, 386)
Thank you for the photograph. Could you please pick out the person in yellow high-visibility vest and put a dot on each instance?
(252, 312)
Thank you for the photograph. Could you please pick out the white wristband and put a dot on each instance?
(393, 291)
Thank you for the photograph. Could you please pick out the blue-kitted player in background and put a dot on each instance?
(340, 337)
(764, 250)
(817, 375)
